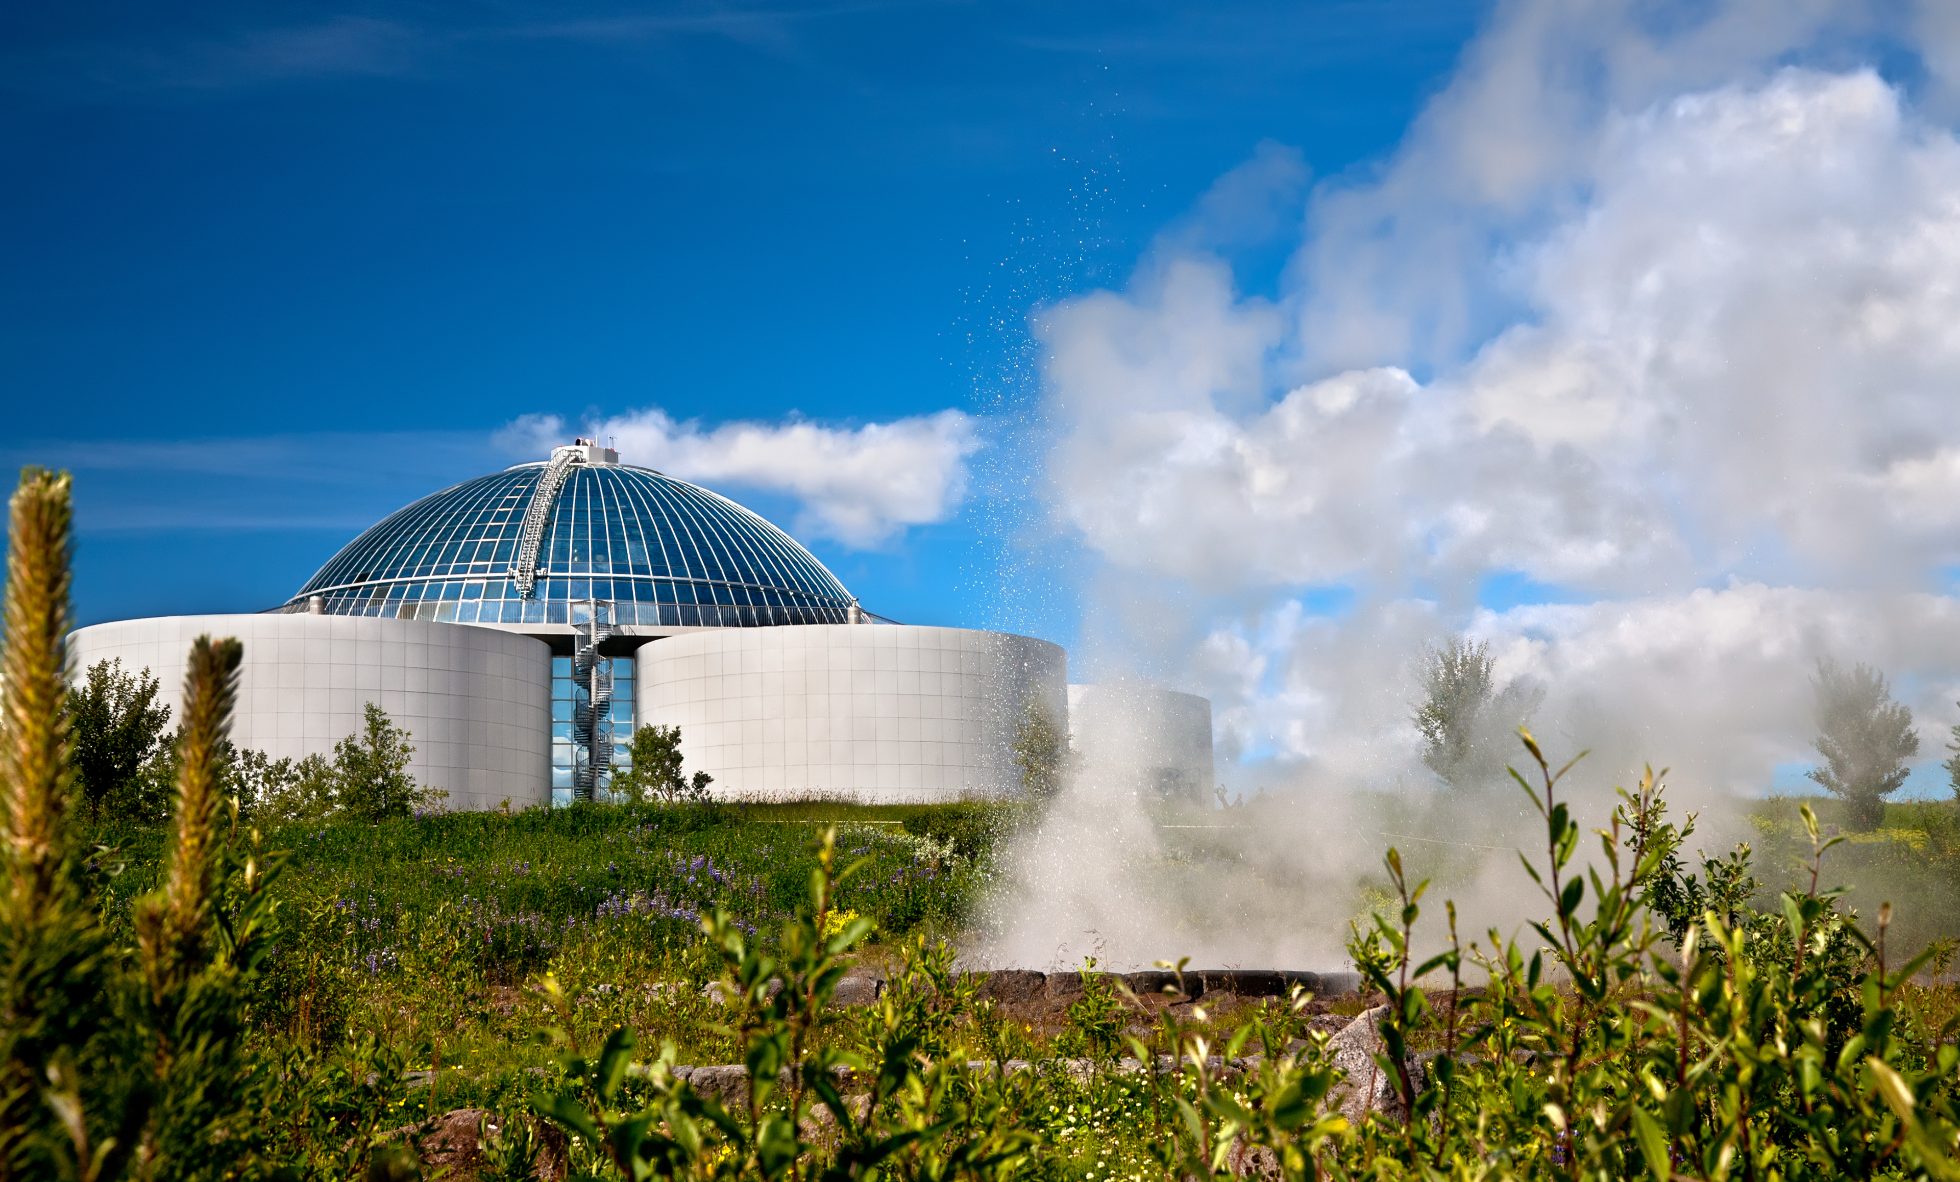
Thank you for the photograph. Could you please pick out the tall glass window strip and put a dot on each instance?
(565, 695)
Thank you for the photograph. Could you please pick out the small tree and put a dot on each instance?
(1865, 738)
(1465, 720)
(278, 791)
(1040, 753)
(656, 770)
(1952, 765)
(120, 753)
(370, 771)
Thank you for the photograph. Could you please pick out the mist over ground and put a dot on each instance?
(1637, 361)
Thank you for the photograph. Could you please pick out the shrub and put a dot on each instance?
(370, 771)
(121, 756)
(970, 829)
(1041, 754)
(655, 774)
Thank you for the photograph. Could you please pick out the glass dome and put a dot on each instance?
(661, 551)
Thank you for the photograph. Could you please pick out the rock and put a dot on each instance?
(1011, 986)
(857, 991)
(1062, 985)
(820, 1125)
(1260, 982)
(1156, 982)
(1367, 1087)
(721, 993)
(1243, 982)
(453, 1144)
(1253, 1161)
(1337, 984)
(1004, 1066)
(504, 1000)
(728, 1084)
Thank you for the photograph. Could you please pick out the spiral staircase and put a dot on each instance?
(592, 731)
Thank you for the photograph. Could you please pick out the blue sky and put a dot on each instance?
(277, 269)
(1249, 346)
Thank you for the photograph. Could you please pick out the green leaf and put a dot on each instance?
(1653, 1144)
(1892, 1088)
(612, 1063)
(572, 1115)
(1568, 900)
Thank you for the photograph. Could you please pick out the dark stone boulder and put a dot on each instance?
(728, 1084)
(1338, 984)
(1155, 982)
(1062, 985)
(1245, 982)
(451, 1145)
(1011, 986)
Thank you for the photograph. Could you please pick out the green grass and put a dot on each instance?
(431, 934)
(419, 945)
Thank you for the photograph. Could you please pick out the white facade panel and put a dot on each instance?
(844, 709)
(476, 701)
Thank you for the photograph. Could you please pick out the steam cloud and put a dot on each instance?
(1646, 317)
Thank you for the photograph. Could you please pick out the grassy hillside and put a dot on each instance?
(424, 931)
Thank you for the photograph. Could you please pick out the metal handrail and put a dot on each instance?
(592, 733)
(524, 568)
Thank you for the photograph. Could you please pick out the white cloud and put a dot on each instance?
(1750, 332)
(860, 485)
(1688, 320)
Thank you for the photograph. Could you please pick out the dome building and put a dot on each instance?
(520, 625)
(525, 548)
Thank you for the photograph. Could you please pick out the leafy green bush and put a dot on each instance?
(1096, 1017)
(654, 773)
(118, 733)
(970, 828)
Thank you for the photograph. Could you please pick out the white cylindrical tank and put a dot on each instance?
(475, 701)
(1159, 738)
(885, 712)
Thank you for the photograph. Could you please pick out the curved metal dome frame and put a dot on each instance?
(663, 552)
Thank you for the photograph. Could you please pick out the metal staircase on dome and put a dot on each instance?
(592, 732)
(537, 514)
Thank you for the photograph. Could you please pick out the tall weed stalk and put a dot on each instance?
(115, 1065)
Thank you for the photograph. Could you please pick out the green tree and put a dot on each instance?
(277, 791)
(370, 770)
(1465, 719)
(1865, 738)
(656, 772)
(1952, 765)
(121, 756)
(1040, 753)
